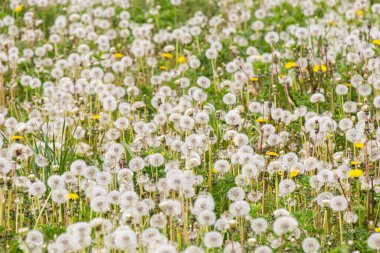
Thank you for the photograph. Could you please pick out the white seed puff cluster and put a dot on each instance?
(189, 126)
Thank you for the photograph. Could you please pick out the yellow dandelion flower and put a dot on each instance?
(254, 79)
(359, 145)
(282, 76)
(181, 59)
(167, 56)
(294, 172)
(271, 153)
(355, 173)
(359, 13)
(377, 230)
(331, 23)
(16, 137)
(355, 162)
(261, 120)
(320, 67)
(18, 9)
(280, 173)
(291, 64)
(214, 171)
(95, 116)
(376, 42)
(163, 67)
(118, 55)
(348, 84)
(73, 196)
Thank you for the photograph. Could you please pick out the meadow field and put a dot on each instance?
(189, 126)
